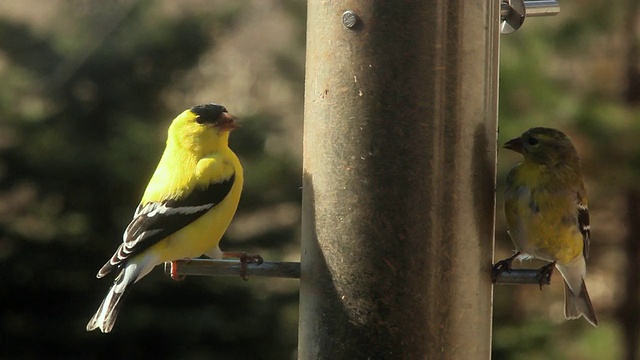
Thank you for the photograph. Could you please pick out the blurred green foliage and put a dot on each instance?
(572, 72)
(82, 125)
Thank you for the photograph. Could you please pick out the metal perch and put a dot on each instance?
(219, 267)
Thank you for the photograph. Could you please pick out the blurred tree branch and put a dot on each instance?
(629, 308)
(632, 91)
(628, 311)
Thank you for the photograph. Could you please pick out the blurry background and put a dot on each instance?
(88, 89)
(578, 72)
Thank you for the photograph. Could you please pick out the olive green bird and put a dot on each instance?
(547, 213)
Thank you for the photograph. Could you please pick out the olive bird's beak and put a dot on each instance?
(514, 144)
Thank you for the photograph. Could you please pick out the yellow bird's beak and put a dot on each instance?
(227, 122)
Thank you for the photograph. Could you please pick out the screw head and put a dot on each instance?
(349, 19)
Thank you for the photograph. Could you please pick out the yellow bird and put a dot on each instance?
(186, 207)
(547, 213)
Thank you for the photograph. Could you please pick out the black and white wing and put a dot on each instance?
(155, 221)
(583, 224)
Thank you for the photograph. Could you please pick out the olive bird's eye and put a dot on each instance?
(533, 141)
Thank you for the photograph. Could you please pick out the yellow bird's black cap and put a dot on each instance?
(208, 113)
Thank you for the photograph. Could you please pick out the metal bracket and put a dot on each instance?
(514, 12)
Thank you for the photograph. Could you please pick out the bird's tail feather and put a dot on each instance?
(106, 315)
(576, 305)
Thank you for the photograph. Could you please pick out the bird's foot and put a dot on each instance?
(174, 270)
(245, 259)
(544, 274)
(502, 266)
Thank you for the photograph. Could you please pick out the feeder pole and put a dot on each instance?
(399, 166)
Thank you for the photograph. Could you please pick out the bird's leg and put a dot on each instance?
(174, 270)
(244, 260)
(544, 274)
(502, 266)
